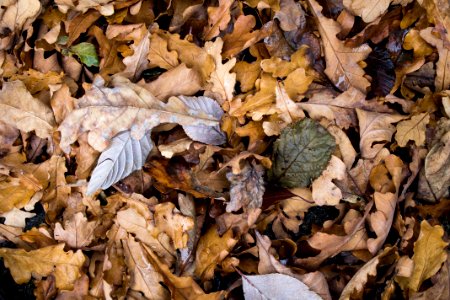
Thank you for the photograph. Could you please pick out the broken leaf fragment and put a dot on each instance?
(301, 153)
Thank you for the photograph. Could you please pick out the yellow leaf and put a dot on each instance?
(65, 266)
(342, 62)
(412, 130)
(297, 83)
(14, 192)
(413, 41)
(429, 254)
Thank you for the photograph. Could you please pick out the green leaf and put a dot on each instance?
(301, 153)
(86, 53)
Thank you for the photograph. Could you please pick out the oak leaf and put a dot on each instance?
(342, 62)
(429, 254)
(412, 130)
(290, 15)
(221, 81)
(16, 217)
(65, 266)
(77, 231)
(159, 55)
(367, 10)
(169, 220)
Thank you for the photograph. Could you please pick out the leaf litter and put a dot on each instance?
(224, 149)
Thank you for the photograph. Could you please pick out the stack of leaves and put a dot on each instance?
(231, 149)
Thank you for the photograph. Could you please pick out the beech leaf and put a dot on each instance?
(124, 156)
(301, 154)
(276, 286)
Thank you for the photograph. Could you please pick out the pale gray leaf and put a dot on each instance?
(124, 156)
(199, 106)
(276, 287)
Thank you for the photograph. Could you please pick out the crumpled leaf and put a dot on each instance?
(104, 113)
(438, 12)
(144, 277)
(105, 7)
(124, 156)
(342, 61)
(301, 154)
(275, 286)
(375, 130)
(77, 231)
(412, 130)
(42, 262)
(25, 112)
(169, 220)
(290, 15)
(368, 10)
(247, 187)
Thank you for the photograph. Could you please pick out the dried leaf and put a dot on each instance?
(144, 277)
(342, 62)
(301, 154)
(368, 11)
(124, 156)
(375, 131)
(324, 191)
(218, 19)
(77, 232)
(20, 109)
(412, 130)
(159, 55)
(42, 262)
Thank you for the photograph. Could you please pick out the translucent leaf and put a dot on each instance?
(301, 154)
(120, 159)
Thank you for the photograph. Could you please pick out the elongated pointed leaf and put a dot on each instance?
(124, 156)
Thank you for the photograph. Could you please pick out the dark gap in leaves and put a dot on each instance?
(382, 70)
(9, 289)
(331, 8)
(38, 219)
(152, 74)
(317, 215)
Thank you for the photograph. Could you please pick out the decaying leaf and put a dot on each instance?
(301, 154)
(412, 130)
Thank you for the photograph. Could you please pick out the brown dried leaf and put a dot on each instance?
(412, 130)
(77, 232)
(42, 262)
(218, 19)
(159, 55)
(20, 109)
(343, 67)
